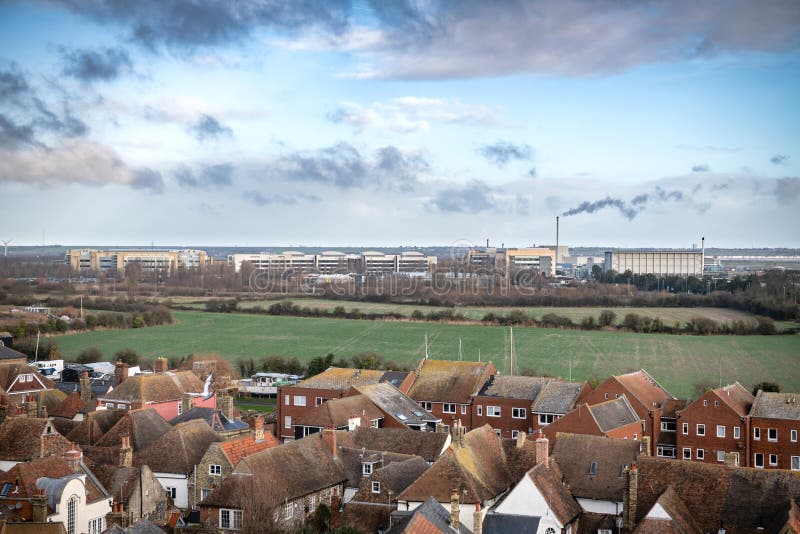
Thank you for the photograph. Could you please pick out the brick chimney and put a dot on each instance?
(74, 456)
(186, 402)
(39, 506)
(125, 452)
(258, 429)
(477, 517)
(86, 389)
(329, 438)
(454, 509)
(521, 439)
(120, 372)
(31, 407)
(41, 407)
(629, 498)
(116, 516)
(645, 446)
(542, 450)
(161, 365)
(225, 404)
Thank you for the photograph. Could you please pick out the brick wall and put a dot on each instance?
(206, 480)
(295, 410)
(777, 453)
(506, 423)
(710, 411)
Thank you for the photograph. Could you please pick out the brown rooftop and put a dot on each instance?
(644, 388)
(341, 378)
(449, 381)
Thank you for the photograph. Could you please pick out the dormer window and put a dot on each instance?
(366, 468)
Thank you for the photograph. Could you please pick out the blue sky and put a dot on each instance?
(400, 123)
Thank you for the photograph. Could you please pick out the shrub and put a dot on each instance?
(606, 318)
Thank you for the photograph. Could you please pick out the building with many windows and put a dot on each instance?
(658, 262)
(115, 261)
(333, 262)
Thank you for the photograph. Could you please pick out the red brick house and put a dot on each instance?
(773, 427)
(446, 388)
(614, 418)
(647, 397)
(504, 403)
(713, 425)
(556, 399)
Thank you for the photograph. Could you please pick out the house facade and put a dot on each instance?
(773, 427)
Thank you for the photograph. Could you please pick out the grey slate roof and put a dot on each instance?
(557, 397)
(398, 405)
(504, 523)
(614, 413)
(142, 526)
(435, 515)
(399, 475)
(214, 417)
(514, 387)
(7, 353)
(776, 406)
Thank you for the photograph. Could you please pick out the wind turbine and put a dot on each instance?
(5, 244)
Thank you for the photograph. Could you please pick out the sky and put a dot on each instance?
(410, 122)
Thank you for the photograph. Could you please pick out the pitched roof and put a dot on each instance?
(644, 388)
(341, 378)
(352, 460)
(775, 406)
(503, 523)
(94, 426)
(397, 405)
(215, 418)
(287, 472)
(32, 528)
(480, 467)
(550, 483)
(737, 397)
(142, 526)
(680, 519)
(614, 413)
(513, 387)
(238, 448)
(575, 454)
(69, 407)
(448, 381)
(10, 371)
(21, 438)
(742, 498)
(557, 397)
(671, 407)
(428, 445)
(143, 426)
(428, 518)
(156, 388)
(30, 474)
(186, 443)
(7, 353)
(336, 413)
(399, 475)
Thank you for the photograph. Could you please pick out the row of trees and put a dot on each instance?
(53, 325)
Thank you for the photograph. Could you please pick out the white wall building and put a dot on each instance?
(659, 262)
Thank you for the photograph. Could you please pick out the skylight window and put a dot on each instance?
(401, 417)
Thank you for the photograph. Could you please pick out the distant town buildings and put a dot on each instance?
(509, 261)
(333, 262)
(115, 261)
(659, 262)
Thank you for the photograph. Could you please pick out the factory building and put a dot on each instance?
(149, 260)
(332, 262)
(658, 262)
(512, 260)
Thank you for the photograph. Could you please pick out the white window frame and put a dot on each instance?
(771, 463)
(122, 406)
(756, 433)
(720, 456)
(705, 402)
(736, 432)
(498, 432)
(700, 454)
(687, 453)
(661, 450)
(299, 400)
(448, 407)
(376, 486)
(230, 519)
(720, 431)
(180, 408)
(425, 405)
(795, 463)
(755, 460)
(204, 492)
(770, 431)
(287, 400)
(543, 419)
(493, 411)
(464, 409)
(701, 426)
(288, 511)
(312, 503)
(793, 436)
(522, 413)
(665, 426)
(318, 401)
(514, 434)
(685, 429)
(366, 468)
(214, 469)
(287, 421)
(171, 492)
(480, 410)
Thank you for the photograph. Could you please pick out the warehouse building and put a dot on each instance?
(332, 262)
(659, 262)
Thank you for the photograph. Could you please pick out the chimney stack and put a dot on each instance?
(542, 450)
(74, 457)
(258, 429)
(31, 407)
(161, 365)
(120, 372)
(125, 452)
(477, 520)
(630, 496)
(186, 402)
(116, 516)
(39, 506)
(329, 438)
(645, 446)
(86, 390)
(225, 404)
(454, 509)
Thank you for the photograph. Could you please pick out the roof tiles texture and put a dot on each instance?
(396, 404)
(737, 397)
(341, 378)
(428, 445)
(514, 387)
(448, 381)
(557, 397)
(776, 406)
(613, 414)
(21, 439)
(186, 444)
(644, 388)
(156, 388)
(143, 426)
(550, 483)
(236, 449)
(681, 521)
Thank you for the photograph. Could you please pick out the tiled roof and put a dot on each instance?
(9, 372)
(367, 516)
(69, 407)
(21, 438)
(53, 467)
(236, 449)
(513, 387)
(144, 426)
(428, 518)
(448, 381)
(429, 445)
(504, 523)
(7, 353)
(776, 406)
(680, 522)
(399, 475)
(341, 378)
(741, 498)
(33, 528)
(397, 405)
(644, 388)
(186, 443)
(550, 483)
(335, 413)
(94, 426)
(557, 397)
(352, 460)
(213, 417)
(737, 397)
(142, 526)
(613, 413)
(671, 407)
(156, 388)
(575, 454)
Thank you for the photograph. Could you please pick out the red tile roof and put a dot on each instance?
(236, 449)
(737, 397)
(644, 388)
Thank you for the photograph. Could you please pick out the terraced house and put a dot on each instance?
(774, 424)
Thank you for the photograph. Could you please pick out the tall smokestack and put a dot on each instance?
(556, 265)
(703, 255)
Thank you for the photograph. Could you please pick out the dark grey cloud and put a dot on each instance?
(285, 199)
(188, 24)
(478, 197)
(701, 168)
(218, 176)
(101, 64)
(502, 152)
(147, 179)
(532, 172)
(12, 85)
(13, 134)
(779, 159)
(787, 190)
(630, 209)
(209, 128)
(343, 166)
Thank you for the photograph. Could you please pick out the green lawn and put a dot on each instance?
(678, 362)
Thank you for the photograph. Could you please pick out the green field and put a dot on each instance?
(678, 362)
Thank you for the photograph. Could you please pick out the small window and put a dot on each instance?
(757, 434)
(425, 405)
(665, 452)
(701, 430)
(172, 493)
(720, 431)
(701, 454)
(376, 487)
(299, 400)
(605, 396)
(498, 432)
(668, 426)
(720, 456)
(687, 453)
(546, 418)
(448, 407)
(366, 468)
(519, 413)
(230, 519)
(287, 421)
(110, 405)
(288, 510)
(758, 461)
(463, 409)
(514, 434)
(286, 399)
(773, 459)
(214, 469)
(493, 411)
(736, 432)
(593, 469)
(312, 503)
(685, 429)
(772, 434)
(204, 492)
(793, 435)
(122, 406)
(480, 410)
(795, 463)
(318, 401)
(705, 402)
